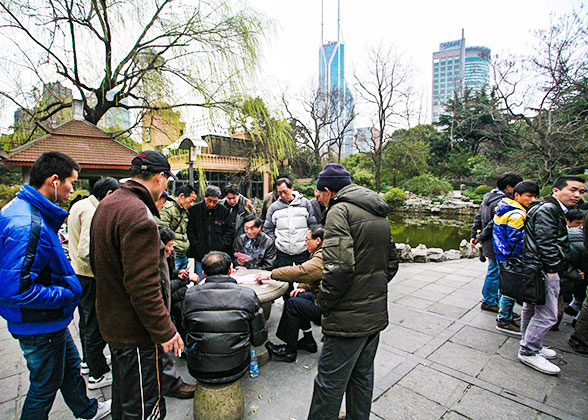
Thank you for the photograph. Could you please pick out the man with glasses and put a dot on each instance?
(209, 228)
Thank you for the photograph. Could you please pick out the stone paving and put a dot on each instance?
(440, 358)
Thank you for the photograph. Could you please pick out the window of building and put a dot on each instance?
(436, 70)
(442, 85)
(449, 67)
(442, 74)
(442, 79)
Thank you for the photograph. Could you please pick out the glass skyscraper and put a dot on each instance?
(456, 67)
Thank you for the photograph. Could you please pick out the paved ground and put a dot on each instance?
(440, 358)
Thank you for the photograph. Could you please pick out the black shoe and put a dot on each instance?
(574, 322)
(570, 311)
(308, 344)
(577, 345)
(279, 353)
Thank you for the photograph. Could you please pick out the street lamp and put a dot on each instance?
(194, 148)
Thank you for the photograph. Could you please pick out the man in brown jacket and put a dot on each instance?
(301, 308)
(133, 319)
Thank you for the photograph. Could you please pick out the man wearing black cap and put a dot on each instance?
(359, 258)
(133, 318)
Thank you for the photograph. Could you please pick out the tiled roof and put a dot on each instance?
(83, 141)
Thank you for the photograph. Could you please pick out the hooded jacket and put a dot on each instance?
(222, 321)
(546, 237)
(38, 287)
(125, 258)
(509, 229)
(360, 259)
(287, 223)
(483, 221)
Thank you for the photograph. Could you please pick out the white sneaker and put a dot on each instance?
(84, 369)
(101, 382)
(108, 360)
(540, 363)
(548, 353)
(103, 410)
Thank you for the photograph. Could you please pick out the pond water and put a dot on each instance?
(435, 231)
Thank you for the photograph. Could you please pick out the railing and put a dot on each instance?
(209, 162)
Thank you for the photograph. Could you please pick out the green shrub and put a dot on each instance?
(7, 193)
(428, 185)
(438, 200)
(483, 189)
(395, 197)
(363, 177)
(546, 190)
(73, 195)
(306, 189)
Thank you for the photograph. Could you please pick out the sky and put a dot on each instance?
(415, 28)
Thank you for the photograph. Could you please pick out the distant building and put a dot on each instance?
(161, 127)
(335, 93)
(456, 67)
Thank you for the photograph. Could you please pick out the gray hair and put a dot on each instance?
(212, 191)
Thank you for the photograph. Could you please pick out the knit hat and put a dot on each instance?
(334, 177)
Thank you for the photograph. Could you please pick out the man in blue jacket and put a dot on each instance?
(39, 289)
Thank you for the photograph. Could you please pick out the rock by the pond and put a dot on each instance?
(465, 249)
(404, 252)
(435, 255)
(452, 254)
(420, 254)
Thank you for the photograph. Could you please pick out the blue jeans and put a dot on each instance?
(505, 307)
(490, 293)
(181, 262)
(54, 364)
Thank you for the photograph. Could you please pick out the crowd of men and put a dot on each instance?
(547, 237)
(129, 278)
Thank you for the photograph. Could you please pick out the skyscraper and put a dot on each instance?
(456, 67)
(334, 92)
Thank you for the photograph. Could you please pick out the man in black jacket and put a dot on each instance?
(256, 245)
(209, 227)
(482, 232)
(547, 248)
(222, 321)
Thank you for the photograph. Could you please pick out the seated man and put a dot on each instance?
(222, 321)
(301, 308)
(256, 245)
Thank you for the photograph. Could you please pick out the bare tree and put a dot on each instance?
(323, 122)
(547, 94)
(385, 88)
(172, 53)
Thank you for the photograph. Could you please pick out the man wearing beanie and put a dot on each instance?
(288, 219)
(359, 260)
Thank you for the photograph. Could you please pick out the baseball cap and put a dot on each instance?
(152, 161)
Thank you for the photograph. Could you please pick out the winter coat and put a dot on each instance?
(222, 321)
(261, 250)
(509, 229)
(308, 274)
(483, 221)
(268, 200)
(244, 208)
(317, 209)
(209, 230)
(546, 237)
(38, 287)
(287, 224)
(578, 261)
(78, 230)
(174, 216)
(125, 258)
(359, 260)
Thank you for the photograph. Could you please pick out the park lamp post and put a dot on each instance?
(194, 148)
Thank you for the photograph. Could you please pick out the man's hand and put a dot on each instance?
(176, 344)
(550, 275)
(241, 260)
(473, 242)
(296, 292)
(184, 274)
(194, 278)
(261, 277)
(581, 273)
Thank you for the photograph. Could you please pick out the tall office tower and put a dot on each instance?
(335, 94)
(455, 68)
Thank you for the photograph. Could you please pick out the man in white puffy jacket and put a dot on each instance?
(287, 221)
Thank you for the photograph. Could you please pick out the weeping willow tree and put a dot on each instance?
(271, 138)
(138, 55)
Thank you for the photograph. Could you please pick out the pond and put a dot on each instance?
(435, 231)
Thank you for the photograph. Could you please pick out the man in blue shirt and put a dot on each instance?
(39, 289)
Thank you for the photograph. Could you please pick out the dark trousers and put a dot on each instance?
(346, 366)
(136, 383)
(581, 331)
(54, 365)
(92, 342)
(296, 315)
(283, 259)
(170, 379)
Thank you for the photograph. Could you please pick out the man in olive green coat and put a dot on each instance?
(359, 260)
(174, 215)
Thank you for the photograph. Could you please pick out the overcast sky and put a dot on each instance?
(415, 27)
